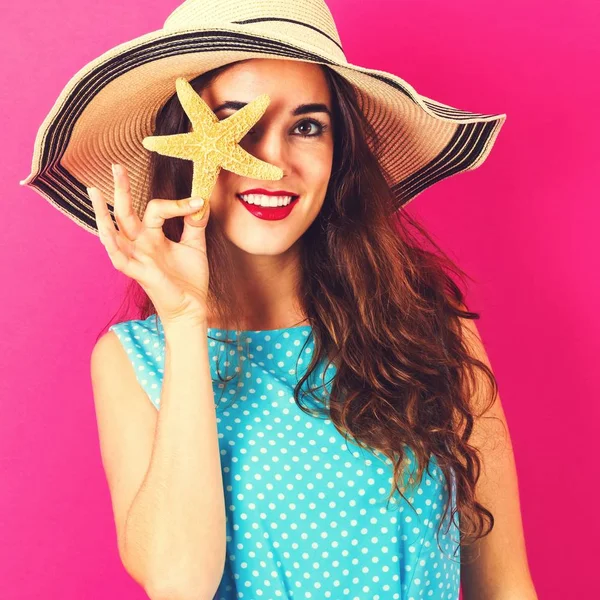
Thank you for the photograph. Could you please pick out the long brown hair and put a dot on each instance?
(381, 307)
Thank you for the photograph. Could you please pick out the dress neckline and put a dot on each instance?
(268, 331)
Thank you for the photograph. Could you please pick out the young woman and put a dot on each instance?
(355, 446)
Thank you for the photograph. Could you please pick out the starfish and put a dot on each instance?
(213, 144)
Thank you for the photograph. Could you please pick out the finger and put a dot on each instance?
(110, 238)
(194, 228)
(158, 210)
(128, 221)
(104, 223)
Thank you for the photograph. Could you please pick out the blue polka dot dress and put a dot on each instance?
(306, 510)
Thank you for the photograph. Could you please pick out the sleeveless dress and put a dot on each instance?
(306, 511)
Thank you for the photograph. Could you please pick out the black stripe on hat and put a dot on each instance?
(453, 113)
(263, 19)
(465, 146)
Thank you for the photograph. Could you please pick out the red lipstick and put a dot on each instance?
(269, 192)
(269, 213)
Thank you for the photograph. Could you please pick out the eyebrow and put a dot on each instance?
(301, 109)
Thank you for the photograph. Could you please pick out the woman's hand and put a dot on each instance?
(174, 275)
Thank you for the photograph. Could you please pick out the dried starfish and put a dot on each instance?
(212, 144)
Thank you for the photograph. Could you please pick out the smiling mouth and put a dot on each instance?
(292, 201)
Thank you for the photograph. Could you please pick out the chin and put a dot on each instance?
(256, 245)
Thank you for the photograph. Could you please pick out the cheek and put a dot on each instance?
(316, 167)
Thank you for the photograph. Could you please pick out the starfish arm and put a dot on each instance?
(241, 121)
(195, 108)
(204, 178)
(178, 145)
(240, 162)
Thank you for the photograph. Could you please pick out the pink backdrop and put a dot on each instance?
(524, 225)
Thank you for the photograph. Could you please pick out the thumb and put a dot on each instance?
(194, 229)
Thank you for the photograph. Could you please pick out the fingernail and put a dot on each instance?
(116, 169)
(197, 202)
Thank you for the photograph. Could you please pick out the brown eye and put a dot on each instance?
(320, 127)
(305, 124)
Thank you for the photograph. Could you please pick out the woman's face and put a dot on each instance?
(296, 143)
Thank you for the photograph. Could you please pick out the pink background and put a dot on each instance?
(524, 225)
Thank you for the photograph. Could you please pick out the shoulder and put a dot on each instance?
(484, 388)
(131, 354)
(129, 336)
(107, 356)
(114, 350)
(106, 344)
(472, 337)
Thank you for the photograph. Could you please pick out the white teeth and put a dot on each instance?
(263, 200)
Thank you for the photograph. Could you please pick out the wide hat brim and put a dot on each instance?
(110, 105)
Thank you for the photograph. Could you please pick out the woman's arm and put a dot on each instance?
(499, 569)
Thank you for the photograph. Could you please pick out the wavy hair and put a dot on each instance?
(382, 308)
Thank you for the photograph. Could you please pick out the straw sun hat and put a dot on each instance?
(110, 105)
